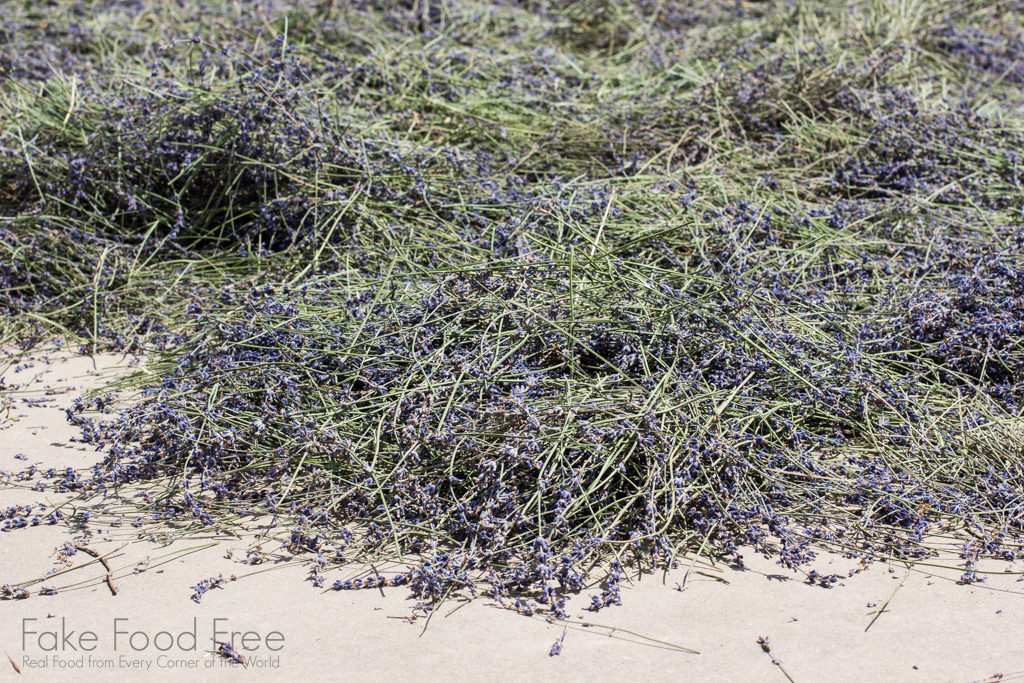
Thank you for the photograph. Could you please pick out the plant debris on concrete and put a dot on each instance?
(523, 295)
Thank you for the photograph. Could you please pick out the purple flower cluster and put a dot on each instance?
(200, 589)
(989, 54)
(560, 286)
(460, 412)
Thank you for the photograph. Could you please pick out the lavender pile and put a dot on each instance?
(547, 293)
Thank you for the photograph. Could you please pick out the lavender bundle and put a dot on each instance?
(552, 291)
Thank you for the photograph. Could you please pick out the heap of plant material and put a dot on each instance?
(509, 294)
